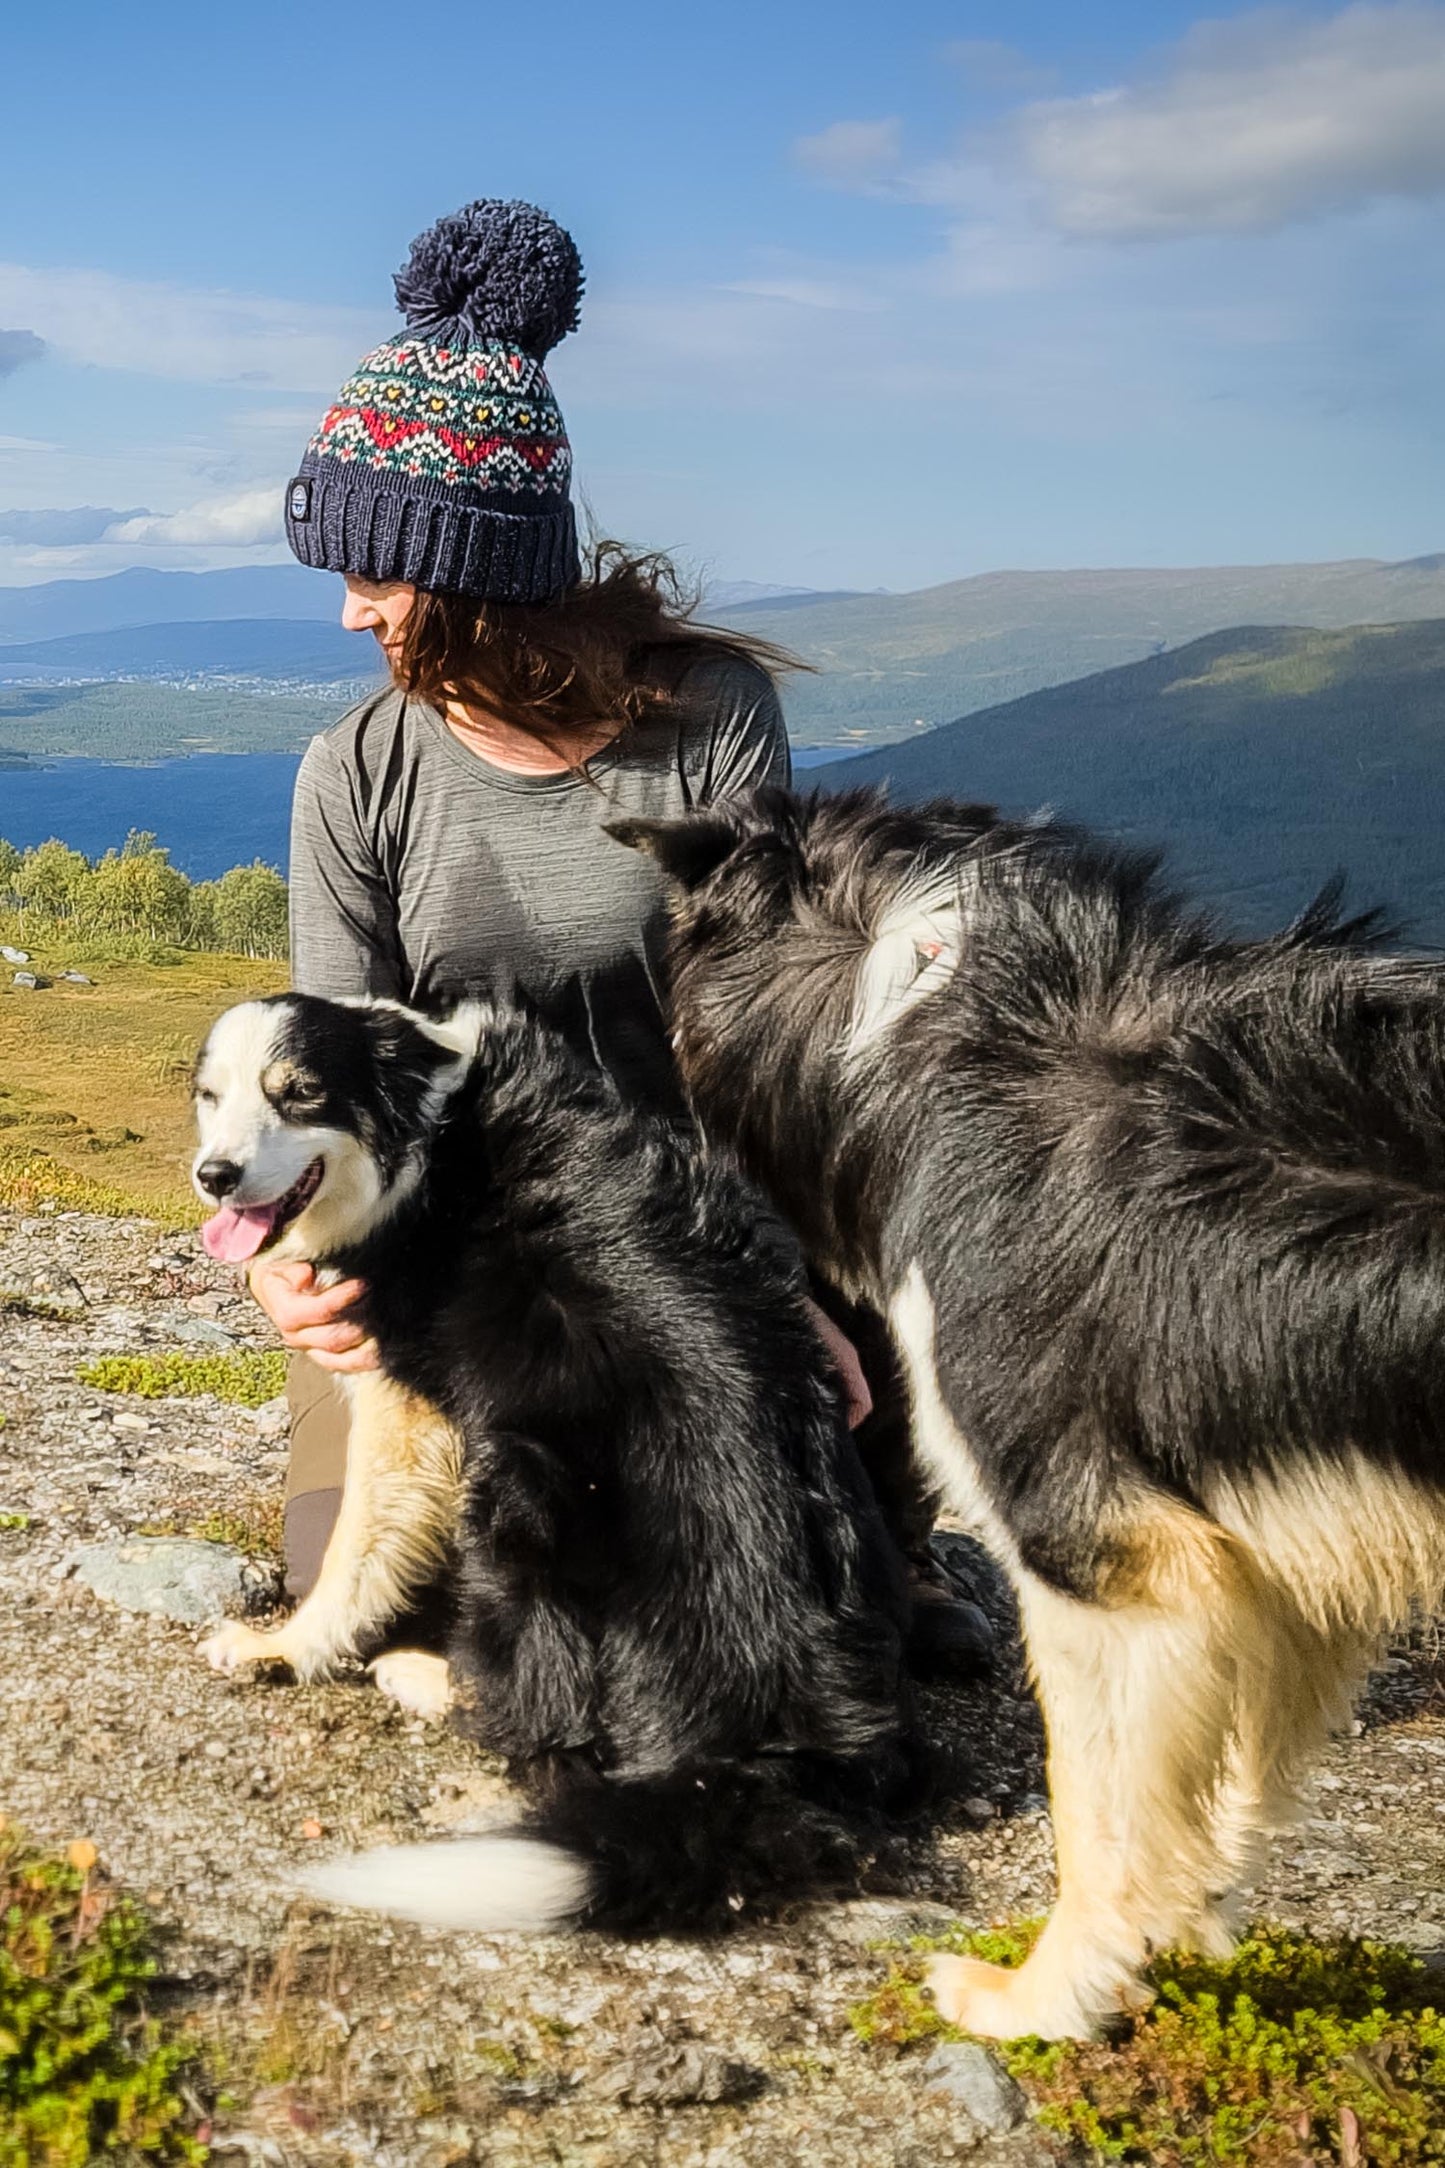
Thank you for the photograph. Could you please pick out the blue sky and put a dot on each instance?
(876, 296)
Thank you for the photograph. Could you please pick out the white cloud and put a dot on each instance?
(851, 153)
(60, 527)
(990, 64)
(1252, 123)
(195, 335)
(236, 522)
(807, 293)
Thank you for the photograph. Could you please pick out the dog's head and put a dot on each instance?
(313, 1117)
(803, 926)
(806, 918)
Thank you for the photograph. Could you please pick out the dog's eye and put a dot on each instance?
(297, 1097)
(205, 1098)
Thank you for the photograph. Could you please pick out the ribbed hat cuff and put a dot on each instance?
(375, 528)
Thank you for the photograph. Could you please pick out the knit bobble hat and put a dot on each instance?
(444, 460)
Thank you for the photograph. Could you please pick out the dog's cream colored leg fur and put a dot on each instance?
(1139, 1702)
(415, 1680)
(1295, 1686)
(1138, 1696)
(398, 1511)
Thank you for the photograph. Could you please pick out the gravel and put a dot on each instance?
(353, 2041)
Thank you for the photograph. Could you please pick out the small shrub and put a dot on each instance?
(1292, 2053)
(31, 1181)
(17, 1303)
(86, 2074)
(137, 903)
(248, 1378)
(259, 1531)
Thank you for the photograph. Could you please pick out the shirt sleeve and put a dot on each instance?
(741, 719)
(344, 937)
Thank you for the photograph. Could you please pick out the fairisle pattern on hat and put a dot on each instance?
(444, 460)
(485, 415)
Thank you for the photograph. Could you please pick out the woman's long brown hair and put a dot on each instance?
(612, 649)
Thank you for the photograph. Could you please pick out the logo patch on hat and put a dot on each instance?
(298, 500)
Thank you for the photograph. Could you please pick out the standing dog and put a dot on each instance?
(604, 1416)
(1159, 1222)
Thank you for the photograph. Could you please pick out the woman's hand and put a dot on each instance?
(313, 1320)
(844, 1357)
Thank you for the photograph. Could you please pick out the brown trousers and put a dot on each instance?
(320, 1414)
(316, 1472)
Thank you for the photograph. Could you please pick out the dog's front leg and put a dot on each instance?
(1138, 1691)
(398, 1513)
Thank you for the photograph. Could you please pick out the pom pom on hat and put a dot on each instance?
(492, 270)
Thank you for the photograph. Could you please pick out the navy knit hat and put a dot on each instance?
(444, 460)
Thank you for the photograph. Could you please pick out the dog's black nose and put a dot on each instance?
(218, 1177)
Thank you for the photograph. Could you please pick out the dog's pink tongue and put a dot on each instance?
(234, 1236)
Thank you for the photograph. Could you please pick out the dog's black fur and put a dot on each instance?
(1171, 1210)
(677, 1611)
(1180, 1191)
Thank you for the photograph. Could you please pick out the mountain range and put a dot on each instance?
(882, 666)
(58, 609)
(893, 664)
(1264, 759)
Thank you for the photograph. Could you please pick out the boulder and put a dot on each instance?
(171, 1577)
(973, 2078)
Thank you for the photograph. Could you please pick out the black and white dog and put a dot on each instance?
(603, 1414)
(1159, 1222)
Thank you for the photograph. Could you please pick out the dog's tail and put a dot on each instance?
(677, 1854)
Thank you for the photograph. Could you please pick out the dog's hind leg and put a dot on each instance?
(1295, 1685)
(399, 1510)
(1340, 1548)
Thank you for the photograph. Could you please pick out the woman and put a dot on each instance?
(447, 833)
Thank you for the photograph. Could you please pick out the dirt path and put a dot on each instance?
(357, 2043)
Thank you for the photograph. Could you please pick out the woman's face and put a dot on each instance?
(380, 607)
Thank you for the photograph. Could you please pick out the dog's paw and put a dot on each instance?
(415, 1680)
(232, 1646)
(1001, 2002)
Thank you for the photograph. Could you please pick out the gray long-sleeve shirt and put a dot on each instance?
(422, 872)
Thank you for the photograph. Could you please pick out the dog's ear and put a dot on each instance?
(688, 849)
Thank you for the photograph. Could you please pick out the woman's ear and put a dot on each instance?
(688, 848)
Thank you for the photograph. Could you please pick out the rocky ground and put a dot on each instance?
(351, 2042)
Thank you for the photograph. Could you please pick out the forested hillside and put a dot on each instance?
(1264, 758)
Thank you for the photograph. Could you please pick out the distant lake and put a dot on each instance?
(211, 811)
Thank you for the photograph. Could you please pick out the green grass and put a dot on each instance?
(1293, 2053)
(87, 2074)
(103, 1070)
(247, 1379)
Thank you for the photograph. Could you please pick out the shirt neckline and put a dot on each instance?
(513, 779)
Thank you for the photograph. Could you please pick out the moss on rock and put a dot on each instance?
(248, 1378)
